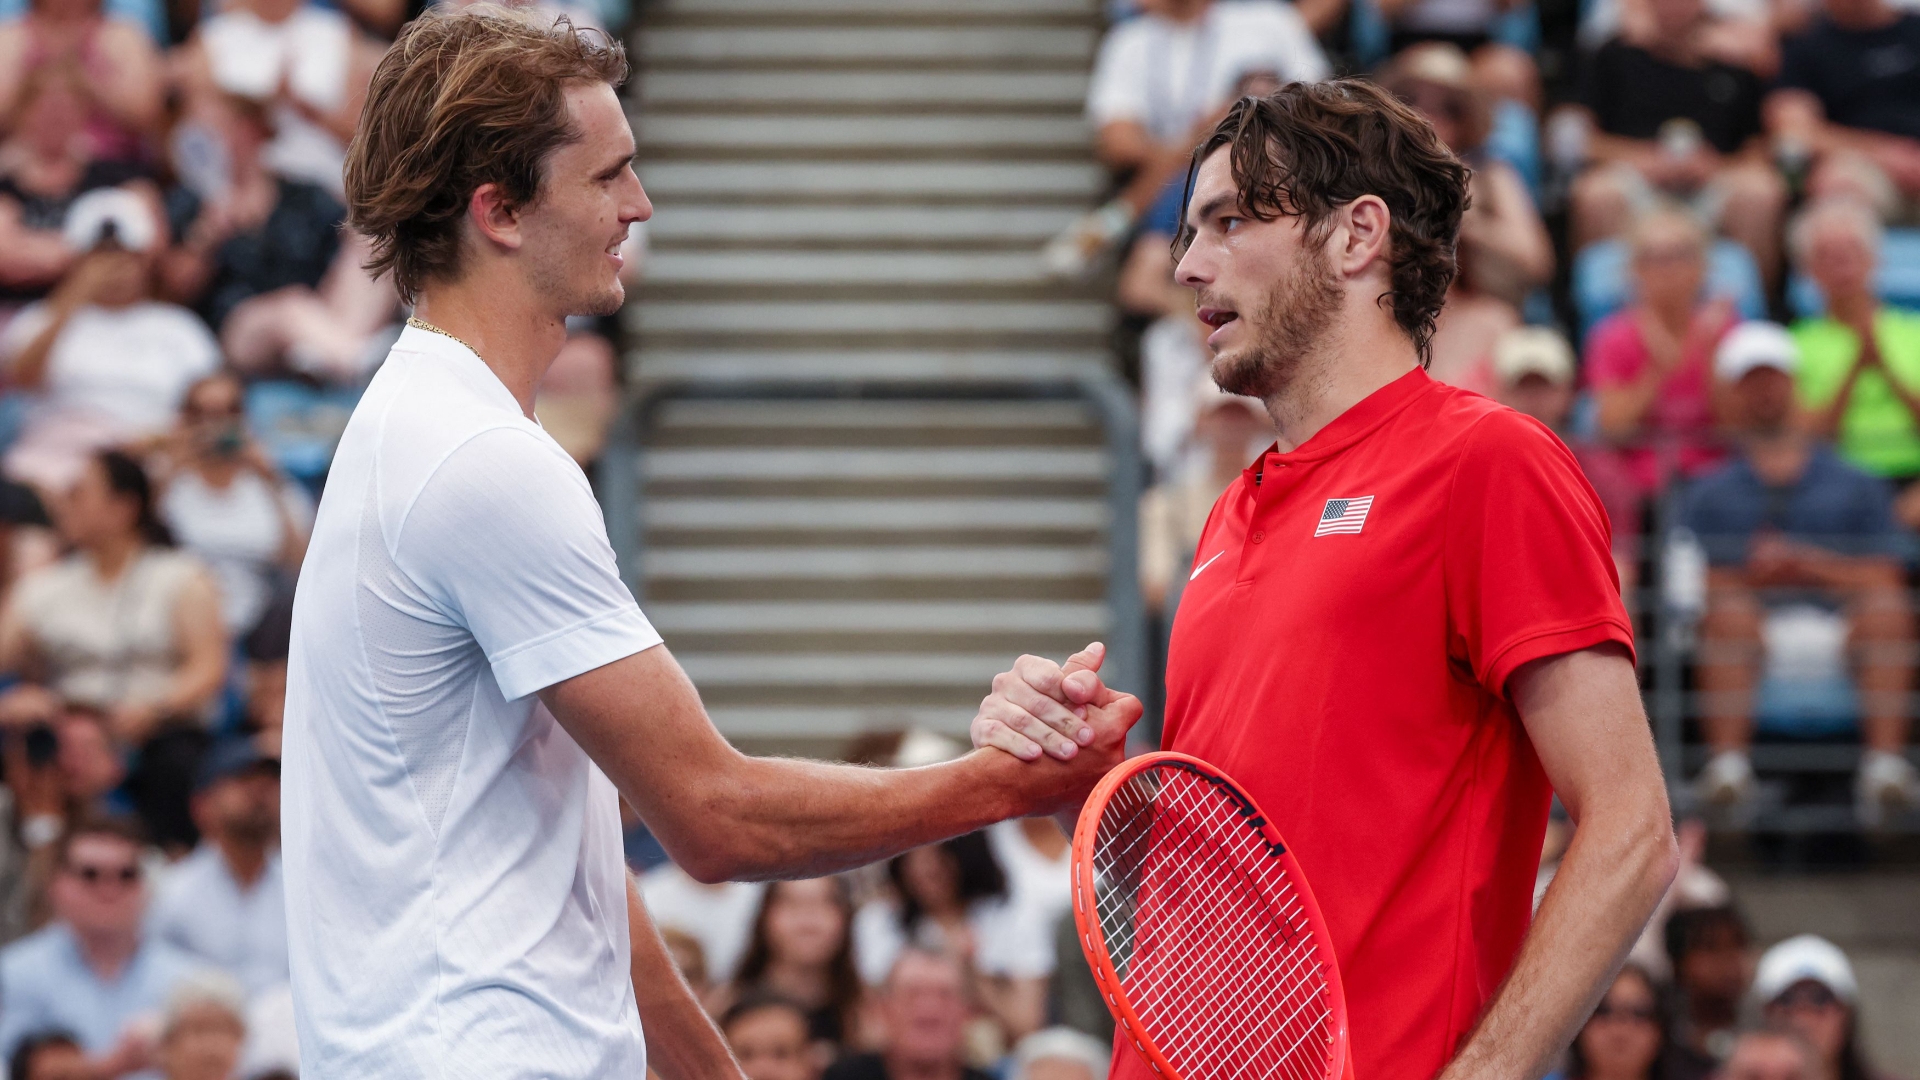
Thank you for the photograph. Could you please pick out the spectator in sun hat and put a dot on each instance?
(1805, 984)
(1801, 547)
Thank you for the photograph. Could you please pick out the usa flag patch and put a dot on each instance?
(1344, 516)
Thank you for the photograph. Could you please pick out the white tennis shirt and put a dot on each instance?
(456, 895)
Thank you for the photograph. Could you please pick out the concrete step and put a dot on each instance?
(843, 268)
(957, 317)
(985, 463)
(1067, 47)
(761, 417)
(854, 9)
(783, 722)
(690, 225)
(776, 91)
(923, 616)
(720, 365)
(777, 133)
(989, 182)
(804, 670)
(876, 514)
(874, 563)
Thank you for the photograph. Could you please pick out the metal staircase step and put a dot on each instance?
(954, 317)
(800, 365)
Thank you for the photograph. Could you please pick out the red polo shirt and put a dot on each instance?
(1343, 649)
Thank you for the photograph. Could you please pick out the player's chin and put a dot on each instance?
(605, 300)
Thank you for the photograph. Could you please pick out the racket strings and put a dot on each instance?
(1207, 933)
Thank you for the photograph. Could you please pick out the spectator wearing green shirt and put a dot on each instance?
(1861, 386)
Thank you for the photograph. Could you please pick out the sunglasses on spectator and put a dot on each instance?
(94, 875)
(1643, 1014)
(197, 412)
(1807, 995)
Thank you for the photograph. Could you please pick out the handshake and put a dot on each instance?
(1061, 719)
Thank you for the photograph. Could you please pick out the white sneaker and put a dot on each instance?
(1727, 781)
(1887, 783)
(1079, 248)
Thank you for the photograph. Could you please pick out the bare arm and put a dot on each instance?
(682, 1043)
(724, 816)
(1582, 710)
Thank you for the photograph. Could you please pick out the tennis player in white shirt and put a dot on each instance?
(471, 686)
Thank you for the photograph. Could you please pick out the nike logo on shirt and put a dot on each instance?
(1206, 564)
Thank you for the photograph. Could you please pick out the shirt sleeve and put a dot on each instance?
(21, 329)
(1118, 89)
(1529, 573)
(505, 538)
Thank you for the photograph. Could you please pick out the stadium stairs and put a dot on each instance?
(873, 453)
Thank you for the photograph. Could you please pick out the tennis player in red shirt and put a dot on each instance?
(1403, 630)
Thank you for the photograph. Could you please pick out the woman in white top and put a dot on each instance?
(952, 898)
(125, 625)
(226, 503)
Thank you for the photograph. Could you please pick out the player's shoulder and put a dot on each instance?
(1480, 429)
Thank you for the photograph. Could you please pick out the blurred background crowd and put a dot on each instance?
(1693, 252)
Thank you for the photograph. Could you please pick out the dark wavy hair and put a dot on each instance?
(1310, 148)
(979, 872)
(128, 479)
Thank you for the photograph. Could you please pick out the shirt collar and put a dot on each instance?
(459, 359)
(1359, 421)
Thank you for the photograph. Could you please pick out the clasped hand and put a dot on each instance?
(1040, 707)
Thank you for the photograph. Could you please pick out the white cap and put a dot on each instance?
(90, 215)
(1798, 959)
(1532, 350)
(1755, 345)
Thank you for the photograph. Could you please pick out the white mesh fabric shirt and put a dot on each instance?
(456, 893)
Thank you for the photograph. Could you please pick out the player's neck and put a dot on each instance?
(1346, 367)
(499, 318)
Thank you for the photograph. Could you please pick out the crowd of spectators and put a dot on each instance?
(1690, 252)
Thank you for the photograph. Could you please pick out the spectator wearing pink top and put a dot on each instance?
(1650, 365)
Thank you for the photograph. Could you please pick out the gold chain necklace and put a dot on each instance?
(419, 323)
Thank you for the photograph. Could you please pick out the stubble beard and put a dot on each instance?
(1292, 324)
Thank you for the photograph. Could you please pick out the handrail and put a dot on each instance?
(619, 471)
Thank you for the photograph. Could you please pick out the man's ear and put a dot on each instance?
(1364, 239)
(496, 219)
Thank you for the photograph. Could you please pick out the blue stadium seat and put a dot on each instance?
(1601, 285)
(1899, 277)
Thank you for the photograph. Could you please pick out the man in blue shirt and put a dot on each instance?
(93, 971)
(1788, 524)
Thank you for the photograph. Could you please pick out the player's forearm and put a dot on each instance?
(777, 818)
(1614, 873)
(682, 1043)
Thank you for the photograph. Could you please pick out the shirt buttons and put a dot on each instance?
(1258, 536)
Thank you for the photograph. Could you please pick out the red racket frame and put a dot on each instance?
(1093, 943)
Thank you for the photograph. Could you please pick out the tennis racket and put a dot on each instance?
(1201, 930)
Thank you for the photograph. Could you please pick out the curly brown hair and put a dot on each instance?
(463, 99)
(1310, 148)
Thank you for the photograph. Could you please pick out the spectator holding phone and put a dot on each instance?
(228, 504)
(110, 360)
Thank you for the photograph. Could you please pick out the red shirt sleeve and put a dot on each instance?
(1528, 568)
